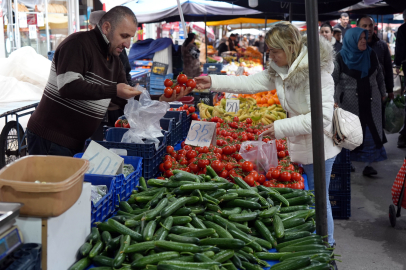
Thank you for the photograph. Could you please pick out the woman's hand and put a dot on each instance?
(270, 131)
(203, 82)
(175, 96)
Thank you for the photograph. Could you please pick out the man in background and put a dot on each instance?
(260, 44)
(400, 61)
(344, 23)
(337, 35)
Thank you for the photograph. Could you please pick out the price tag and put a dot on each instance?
(230, 95)
(102, 161)
(40, 19)
(22, 20)
(32, 31)
(232, 105)
(201, 134)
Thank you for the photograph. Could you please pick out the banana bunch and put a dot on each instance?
(205, 111)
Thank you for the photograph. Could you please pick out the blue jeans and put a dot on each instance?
(310, 179)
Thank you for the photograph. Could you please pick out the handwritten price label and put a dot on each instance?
(230, 95)
(201, 134)
(102, 161)
(232, 105)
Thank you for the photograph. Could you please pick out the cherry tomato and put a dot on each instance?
(182, 78)
(229, 166)
(193, 167)
(126, 124)
(191, 83)
(281, 154)
(301, 170)
(169, 149)
(167, 165)
(168, 83)
(238, 147)
(301, 185)
(202, 163)
(161, 167)
(224, 174)
(248, 121)
(174, 154)
(193, 160)
(286, 152)
(280, 147)
(236, 119)
(276, 174)
(183, 144)
(180, 156)
(161, 177)
(195, 117)
(285, 176)
(168, 92)
(192, 109)
(249, 179)
(118, 123)
(187, 147)
(247, 166)
(191, 154)
(238, 157)
(183, 161)
(217, 166)
(290, 168)
(281, 186)
(269, 175)
(182, 152)
(268, 184)
(168, 173)
(177, 88)
(296, 185)
(261, 179)
(255, 175)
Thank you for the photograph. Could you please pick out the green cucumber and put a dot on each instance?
(106, 237)
(157, 198)
(293, 222)
(244, 192)
(301, 253)
(241, 183)
(113, 244)
(154, 259)
(103, 261)
(223, 256)
(97, 248)
(200, 233)
(184, 211)
(250, 266)
(264, 232)
(149, 230)
(293, 235)
(81, 264)
(218, 193)
(282, 190)
(300, 200)
(224, 243)
(124, 206)
(184, 176)
(242, 236)
(143, 199)
(297, 248)
(223, 233)
(120, 228)
(244, 204)
(268, 256)
(243, 217)
(204, 265)
(279, 197)
(269, 212)
(296, 241)
(139, 247)
(293, 208)
(292, 265)
(197, 222)
(263, 243)
(182, 229)
(120, 257)
(309, 226)
(210, 172)
(201, 257)
(179, 247)
(200, 186)
(228, 197)
(183, 239)
(130, 223)
(167, 225)
(295, 193)
(85, 249)
(181, 220)
(278, 227)
(143, 183)
(170, 209)
(198, 209)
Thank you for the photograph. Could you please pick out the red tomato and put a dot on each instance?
(192, 109)
(286, 152)
(229, 166)
(255, 175)
(279, 167)
(168, 92)
(227, 150)
(183, 161)
(249, 179)
(187, 147)
(244, 137)
(202, 163)
(195, 117)
(285, 176)
(250, 136)
(161, 167)
(236, 119)
(301, 170)
(177, 89)
(290, 168)
(268, 184)
(269, 175)
(119, 123)
(280, 147)
(168, 173)
(281, 186)
(247, 166)
(160, 177)
(191, 154)
(217, 166)
(275, 174)
(126, 124)
(168, 83)
(301, 185)
(185, 106)
(191, 83)
(281, 154)
(224, 174)
(248, 121)
(192, 160)
(182, 144)
(169, 149)
(205, 149)
(179, 157)
(182, 78)
(249, 130)
(182, 152)
(167, 165)
(296, 185)
(193, 167)
(296, 176)
(238, 147)
(238, 157)
(261, 179)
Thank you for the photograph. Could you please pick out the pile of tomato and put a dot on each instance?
(226, 161)
(180, 84)
(188, 109)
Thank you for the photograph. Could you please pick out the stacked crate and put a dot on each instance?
(340, 186)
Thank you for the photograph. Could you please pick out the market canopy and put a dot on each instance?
(246, 22)
(193, 10)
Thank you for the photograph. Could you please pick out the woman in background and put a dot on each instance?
(190, 55)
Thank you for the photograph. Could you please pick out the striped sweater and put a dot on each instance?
(82, 82)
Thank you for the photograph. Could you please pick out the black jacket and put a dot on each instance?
(400, 50)
(381, 49)
(127, 67)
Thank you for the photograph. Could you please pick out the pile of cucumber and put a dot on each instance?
(191, 222)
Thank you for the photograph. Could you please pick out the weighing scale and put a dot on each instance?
(10, 236)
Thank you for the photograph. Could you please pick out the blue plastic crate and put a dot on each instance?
(113, 140)
(150, 166)
(186, 121)
(178, 131)
(156, 92)
(142, 63)
(340, 179)
(169, 125)
(51, 55)
(105, 207)
(212, 67)
(156, 82)
(343, 157)
(340, 205)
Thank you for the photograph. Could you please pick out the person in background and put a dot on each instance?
(327, 32)
(360, 89)
(260, 44)
(344, 23)
(288, 73)
(231, 43)
(400, 61)
(381, 49)
(237, 40)
(86, 74)
(244, 43)
(223, 47)
(190, 55)
(337, 34)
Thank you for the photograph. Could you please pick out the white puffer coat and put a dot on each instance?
(293, 91)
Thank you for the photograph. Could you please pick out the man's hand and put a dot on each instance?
(397, 70)
(203, 82)
(125, 91)
(270, 131)
(175, 96)
(391, 96)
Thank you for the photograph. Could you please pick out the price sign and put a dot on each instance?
(32, 31)
(201, 134)
(232, 105)
(40, 19)
(102, 161)
(22, 20)
(230, 95)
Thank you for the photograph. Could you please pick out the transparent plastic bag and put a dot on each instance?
(262, 154)
(143, 117)
(98, 192)
(394, 117)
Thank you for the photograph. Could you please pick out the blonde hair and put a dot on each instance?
(285, 36)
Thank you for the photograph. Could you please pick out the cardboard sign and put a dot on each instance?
(102, 161)
(201, 134)
(232, 105)
(22, 20)
(40, 19)
(32, 31)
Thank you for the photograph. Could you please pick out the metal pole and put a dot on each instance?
(264, 56)
(316, 116)
(290, 12)
(46, 19)
(205, 34)
(182, 19)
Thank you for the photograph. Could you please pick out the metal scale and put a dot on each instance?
(10, 236)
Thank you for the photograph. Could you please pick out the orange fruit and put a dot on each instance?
(271, 101)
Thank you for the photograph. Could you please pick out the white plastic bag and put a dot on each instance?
(143, 117)
(262, 154)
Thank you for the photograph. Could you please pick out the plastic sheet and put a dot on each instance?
(98, 192)
(262, 154)
(394, 117)
(144, 119)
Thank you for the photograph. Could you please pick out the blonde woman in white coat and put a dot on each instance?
(288, 72)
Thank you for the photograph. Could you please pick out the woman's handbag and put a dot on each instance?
(347, 129)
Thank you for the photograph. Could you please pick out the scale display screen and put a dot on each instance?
(13, 239)
(9, 241)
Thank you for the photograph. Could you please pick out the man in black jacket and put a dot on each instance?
(400, 60)
(344, 23)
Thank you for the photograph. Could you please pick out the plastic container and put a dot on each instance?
(340, 205)
(340, 179)
(142, 63)
(178, 131)
(206, 98)
(169, 125)
(150, 166)
(343, 157)
(63, 177)
(105, 206)
(212, 67)
(113, 140)
(27, 257)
